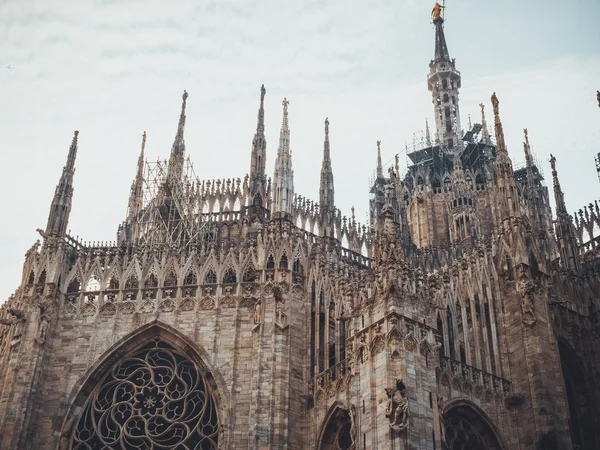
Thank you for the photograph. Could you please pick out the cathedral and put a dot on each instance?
(238, 314)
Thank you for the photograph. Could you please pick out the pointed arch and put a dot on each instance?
(467, 426)
(337, 431)
(179, 355)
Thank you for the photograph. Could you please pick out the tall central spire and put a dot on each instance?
(258, 159)
(283, 185)
(178, 149)
(443, 82)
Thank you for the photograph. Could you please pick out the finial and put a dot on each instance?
(143, 140)
(326, 127)
(285, 104)
(436, 12)
(525, 132)
(263, 91)
(427, 134)
(185, 95)
(598, 97)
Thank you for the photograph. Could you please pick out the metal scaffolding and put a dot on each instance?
(172, 211)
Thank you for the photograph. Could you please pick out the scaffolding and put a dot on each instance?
(172, 208)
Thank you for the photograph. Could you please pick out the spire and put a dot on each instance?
(136, 194)
(284, 175)
(565, 231)
(441, 49)
(379, 166)
(60, 208)
(326, 191)
(259, 155)
(500, 144)
(485, 133)
(178, 149)
(444, 82)
(505, 177)
(427, 134)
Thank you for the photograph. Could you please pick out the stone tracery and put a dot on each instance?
(155, 397)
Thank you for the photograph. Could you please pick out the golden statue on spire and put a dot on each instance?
(436, 12)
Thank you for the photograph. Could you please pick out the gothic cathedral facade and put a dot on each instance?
(235, 314)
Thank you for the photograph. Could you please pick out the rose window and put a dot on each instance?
(155, 398)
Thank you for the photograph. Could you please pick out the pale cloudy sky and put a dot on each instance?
(114, 68)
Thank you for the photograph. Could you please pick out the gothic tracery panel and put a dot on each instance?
(466, 429)
(154, 398)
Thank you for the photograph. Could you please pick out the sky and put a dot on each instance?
(113, 69)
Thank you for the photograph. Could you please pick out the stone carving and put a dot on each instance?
(396, 410)
(257, 312)
(42, 330)
(526, 287)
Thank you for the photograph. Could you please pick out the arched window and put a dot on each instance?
(132, 283)
(446, 99)
(249, 275)
(270, 262)
(444, 84)
(283, 262)
(229, 276)
(337, 434)
(113, 284)
(151, 281)
(191, 278)
(297, 267)
(210, 277)
(155, 397)
(73, 287)
(581, 408)
(468, 429)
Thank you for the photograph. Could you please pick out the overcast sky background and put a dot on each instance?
(114, 68)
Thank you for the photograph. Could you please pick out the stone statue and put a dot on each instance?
(257, 311)
(526, 288)
(353, 432)
(42, 329)
(598, 97)
(397, 406)
(279, 311)
(436, 12)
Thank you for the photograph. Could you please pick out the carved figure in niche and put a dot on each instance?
(397, 406)
(527, 288)
(42, 329)
(257, 311)
(279, 312)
